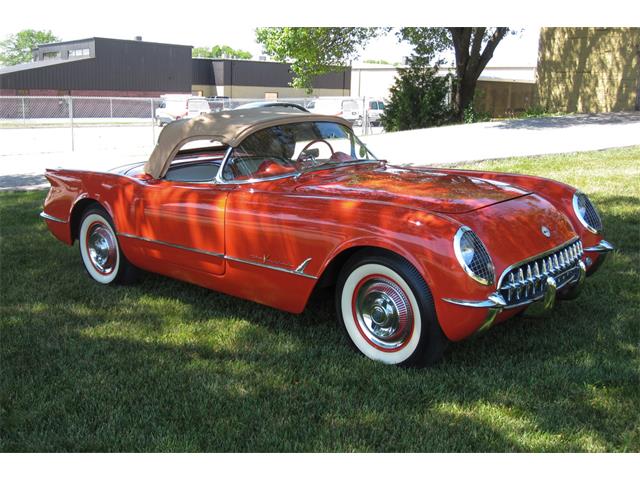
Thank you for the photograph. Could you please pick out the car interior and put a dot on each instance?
(196, 162)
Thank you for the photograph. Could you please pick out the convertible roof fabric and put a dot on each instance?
(227, 127)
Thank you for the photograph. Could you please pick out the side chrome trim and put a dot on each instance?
(46, 216)
(602, 247)
(173, 245)
(535, 257)
(303, 265)
(271, 267)
(226, 257)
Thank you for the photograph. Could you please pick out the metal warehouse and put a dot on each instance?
(133, 68)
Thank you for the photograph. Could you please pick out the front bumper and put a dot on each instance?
(564, 286)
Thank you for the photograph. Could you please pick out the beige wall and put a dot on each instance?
(503, 99)
(588, 69)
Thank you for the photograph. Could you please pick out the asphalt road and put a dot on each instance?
(26, 152)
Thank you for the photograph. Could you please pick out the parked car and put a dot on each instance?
(272, 104)
(349, 109)
(269, 205)
(217, 103)
(175, 107)
(375, 108)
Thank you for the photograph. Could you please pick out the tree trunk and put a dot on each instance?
(470, 62)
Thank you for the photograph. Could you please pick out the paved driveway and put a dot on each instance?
(510, 138)
(431, 146)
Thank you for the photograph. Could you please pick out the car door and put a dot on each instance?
(181, 224)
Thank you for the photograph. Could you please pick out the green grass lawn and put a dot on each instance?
(167, 366)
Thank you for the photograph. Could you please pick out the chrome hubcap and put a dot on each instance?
(383, 313)
(102, 248)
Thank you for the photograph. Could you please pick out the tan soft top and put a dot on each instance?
(228, 127)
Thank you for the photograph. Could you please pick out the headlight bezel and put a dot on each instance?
(583, 221)
(457, 248)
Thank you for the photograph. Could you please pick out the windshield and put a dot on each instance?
(293, 149)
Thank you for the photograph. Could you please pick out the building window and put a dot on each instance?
(79, 52)
(50, 55)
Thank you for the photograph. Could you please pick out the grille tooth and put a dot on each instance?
(556, 263)
(511, 286)
(536, 274)
(520, 283)
(529, 280)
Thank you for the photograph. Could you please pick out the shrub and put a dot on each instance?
(418, 98)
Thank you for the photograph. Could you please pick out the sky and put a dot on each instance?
(207, 23)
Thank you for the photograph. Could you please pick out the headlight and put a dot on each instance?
(586, 213)
(473, 256)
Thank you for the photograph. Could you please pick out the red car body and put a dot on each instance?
(252, 240)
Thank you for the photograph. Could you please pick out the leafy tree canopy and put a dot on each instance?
(16, 48)
(220, 51)
(314, 51)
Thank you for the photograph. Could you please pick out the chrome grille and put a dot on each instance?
(527, 281)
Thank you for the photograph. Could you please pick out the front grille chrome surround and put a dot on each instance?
(526, 281)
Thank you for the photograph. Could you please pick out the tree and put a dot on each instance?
(418, 98)
(17, 48)
(473, 48)
(314, 51)
(220, 51)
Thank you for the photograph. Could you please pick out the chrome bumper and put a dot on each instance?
(602, 247)
(540, 306)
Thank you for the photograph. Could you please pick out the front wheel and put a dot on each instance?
(101, 254)
(387, 310)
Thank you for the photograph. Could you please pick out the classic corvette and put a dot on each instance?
(267, 204)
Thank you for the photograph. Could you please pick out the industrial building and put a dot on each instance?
(134, 68)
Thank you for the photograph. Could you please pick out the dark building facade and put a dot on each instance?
(101, 67)
(133, 68)
(258, 79)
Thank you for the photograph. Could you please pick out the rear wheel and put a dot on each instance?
(387, 310)
(101, 254)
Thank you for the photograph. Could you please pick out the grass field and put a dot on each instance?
(167, 366)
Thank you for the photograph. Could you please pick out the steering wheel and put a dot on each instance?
(319, 140)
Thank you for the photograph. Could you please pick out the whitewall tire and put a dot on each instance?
(387, 311)
(99, 248)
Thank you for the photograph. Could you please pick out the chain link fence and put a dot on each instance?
(58, 124)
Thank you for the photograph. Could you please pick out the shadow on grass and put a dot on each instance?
(167, 366)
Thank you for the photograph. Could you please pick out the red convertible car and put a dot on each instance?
(268, 204)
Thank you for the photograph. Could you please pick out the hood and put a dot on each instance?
(426, 189)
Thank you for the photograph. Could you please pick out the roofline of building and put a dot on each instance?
(41, 64)
(67, 42)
